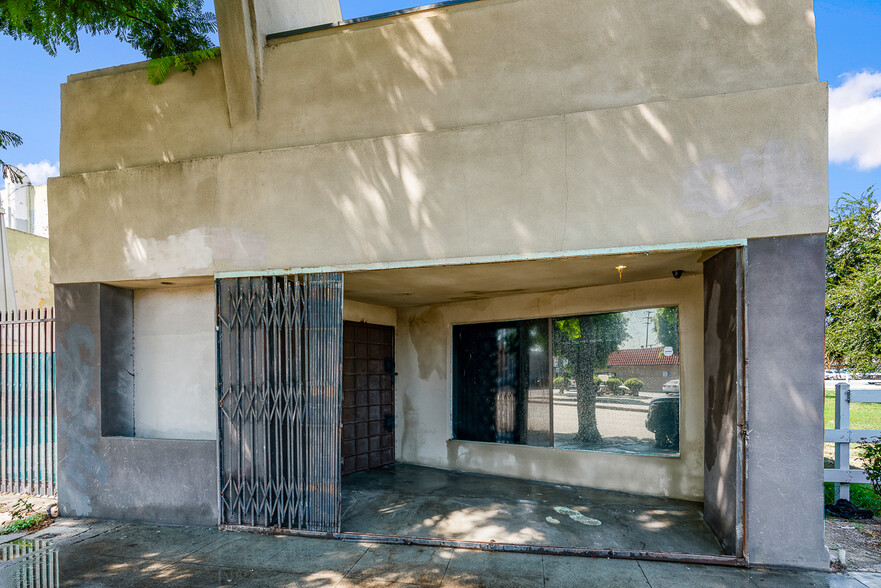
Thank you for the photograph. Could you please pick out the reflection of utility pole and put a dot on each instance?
(648, 321)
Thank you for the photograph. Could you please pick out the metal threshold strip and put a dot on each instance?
(692, 558)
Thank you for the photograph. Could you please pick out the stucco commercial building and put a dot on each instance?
(343, 245)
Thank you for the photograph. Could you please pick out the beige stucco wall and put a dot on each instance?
(694, 170)
(29, 256)
(174, 361)
(423, 389)
(486, 129)
(361, 312)
(477, 63)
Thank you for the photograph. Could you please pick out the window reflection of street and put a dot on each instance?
(621, 421)
(598, 382)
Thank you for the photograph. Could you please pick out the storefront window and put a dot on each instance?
(598, 382)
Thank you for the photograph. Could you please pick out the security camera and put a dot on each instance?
(677, 274)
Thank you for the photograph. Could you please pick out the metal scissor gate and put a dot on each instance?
(279, 347)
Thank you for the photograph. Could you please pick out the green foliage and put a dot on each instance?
(861, 495)
(872, 462)
(7, 171)
(667, 327)
(23, 517)
(21, 508)
(561, 383)
(853, 327)
(853, 283)
(156, 28)
(612, 385)
(158, 69)
(585, 342)
(853, 239)
(635, 385)
(23, 524)
(172, 33)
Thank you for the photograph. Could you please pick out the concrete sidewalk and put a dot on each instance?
(98, 553)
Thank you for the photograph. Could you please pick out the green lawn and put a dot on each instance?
(862, 416)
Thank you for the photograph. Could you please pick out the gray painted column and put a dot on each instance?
(785, 329)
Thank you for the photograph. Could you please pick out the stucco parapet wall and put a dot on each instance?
(745, 165)
(484, 62)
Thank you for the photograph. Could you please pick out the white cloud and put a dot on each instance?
(855, 121)
(39, 172)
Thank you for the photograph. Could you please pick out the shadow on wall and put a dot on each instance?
(447, 68)
(542, 184)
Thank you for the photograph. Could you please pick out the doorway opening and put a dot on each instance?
(368, 396)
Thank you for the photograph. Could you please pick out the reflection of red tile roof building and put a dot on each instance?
(645, 356)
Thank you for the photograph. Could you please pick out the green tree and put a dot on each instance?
(172, 33)
(7, 171)
(853, 283)
(584, 343)
(667, 327)
(156, 28)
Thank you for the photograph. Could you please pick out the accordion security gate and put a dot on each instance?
(279, 342)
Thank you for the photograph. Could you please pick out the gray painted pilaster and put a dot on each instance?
(784, 475)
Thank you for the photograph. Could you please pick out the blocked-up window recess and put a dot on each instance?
(174, 363)
(157, 363)
(598, 382)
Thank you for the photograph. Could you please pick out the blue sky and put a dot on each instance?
(849, 59)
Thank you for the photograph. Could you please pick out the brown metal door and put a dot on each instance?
(368, 396)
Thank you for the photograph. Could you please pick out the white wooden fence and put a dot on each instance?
(842, 435)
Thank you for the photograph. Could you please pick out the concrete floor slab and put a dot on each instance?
(417, 501)
(593, 573)
(671, 575)
(72, 559)
(101, 570)
(273, 579)
(298, 556)
(146, 542)
(868, 579)
(664, 575)
(400, 564)
(194, 576)
(234, 550)
(778, 579)
(514, 570)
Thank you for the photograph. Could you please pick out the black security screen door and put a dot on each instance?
(279, 342)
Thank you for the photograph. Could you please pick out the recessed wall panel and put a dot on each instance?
(174, 363)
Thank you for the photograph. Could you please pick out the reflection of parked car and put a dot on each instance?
(671, 387)
(868, 376)
(663, 421)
